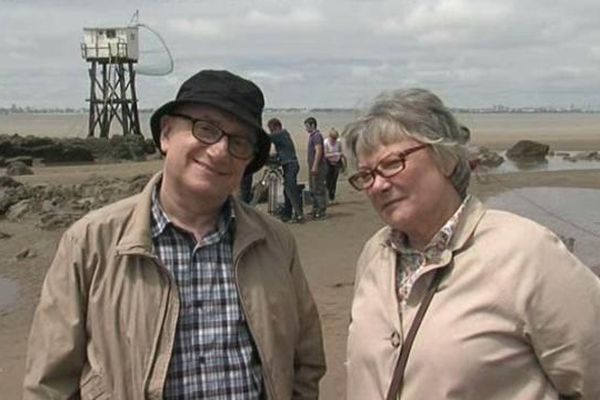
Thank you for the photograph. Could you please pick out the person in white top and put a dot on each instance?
(335, 161)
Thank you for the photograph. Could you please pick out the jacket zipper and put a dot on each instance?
(155, 344)
(266, 377)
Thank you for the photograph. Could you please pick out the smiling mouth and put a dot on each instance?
(390, 203)
(210, 168)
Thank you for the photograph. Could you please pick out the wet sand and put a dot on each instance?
(328, 250)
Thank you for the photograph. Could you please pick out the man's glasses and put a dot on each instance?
(387, 167)
(238, 146)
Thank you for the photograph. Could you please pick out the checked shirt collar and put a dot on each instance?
(412, 261)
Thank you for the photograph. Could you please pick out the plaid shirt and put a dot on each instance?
(214, 356)
(412, 261)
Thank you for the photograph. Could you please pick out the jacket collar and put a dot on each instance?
(137, 235)
(474, 210)
(471, 215)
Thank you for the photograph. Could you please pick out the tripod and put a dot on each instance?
(270, 181)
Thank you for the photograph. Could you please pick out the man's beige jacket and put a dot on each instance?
(516, 317)
(105, 324)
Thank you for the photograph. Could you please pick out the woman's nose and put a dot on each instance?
(379, 184)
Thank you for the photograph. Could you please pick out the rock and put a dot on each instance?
(18, 210)
(25, 253)
(149, 146)
(69, 154)
(583, 155)
(27, 160)
(31, 141)
(8, 182)
(528, 151)
(77, 154)
(6, 200)
(7, 149)
(489, 158)
(18, 168)
(51, 150)
(130, 147)
(138, 182)
(55, 220)
(49, 205)
(4, 235)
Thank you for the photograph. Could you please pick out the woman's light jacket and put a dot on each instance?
(516, 317)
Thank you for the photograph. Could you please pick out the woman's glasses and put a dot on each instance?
(387, 167)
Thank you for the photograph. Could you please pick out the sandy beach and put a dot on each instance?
(328, 250)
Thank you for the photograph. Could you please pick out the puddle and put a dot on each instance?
(569, 212)
(8, 294)
(552, 163)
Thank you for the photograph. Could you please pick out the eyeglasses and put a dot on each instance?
(387, 167)
(238, 146)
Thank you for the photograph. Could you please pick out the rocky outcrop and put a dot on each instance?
(582, 156)
(489, 158)
(17, 168)
(68, 154)
(58, 206)
(76, 150)
(528, 151)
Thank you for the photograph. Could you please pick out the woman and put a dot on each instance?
(514, 314)
(334, 159)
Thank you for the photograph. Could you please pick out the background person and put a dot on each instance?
(317, 168)
(246, 188)
(286, 151)
(181, 291)
(515, 313)
(334, 159)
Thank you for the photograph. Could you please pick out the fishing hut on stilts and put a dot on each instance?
(112, 53)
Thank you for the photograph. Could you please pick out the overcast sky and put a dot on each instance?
(329, 53)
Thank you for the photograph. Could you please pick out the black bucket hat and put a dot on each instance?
(226, 91)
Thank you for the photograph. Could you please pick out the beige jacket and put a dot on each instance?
(517, 317)
(105, 324)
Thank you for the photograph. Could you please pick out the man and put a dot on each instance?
(246, 188)
(182, 291)
(286, 151)
(317, 168)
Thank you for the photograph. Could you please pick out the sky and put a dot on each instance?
(329, 53)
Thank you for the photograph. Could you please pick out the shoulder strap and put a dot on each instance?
(398, 377)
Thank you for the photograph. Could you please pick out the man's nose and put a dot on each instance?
(220, 147)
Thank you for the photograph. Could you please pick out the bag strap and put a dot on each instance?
(398, 377)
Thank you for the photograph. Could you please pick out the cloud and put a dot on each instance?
(320, 53)
(277, 77)
(296, 19)
(196, 27)
(446, 21)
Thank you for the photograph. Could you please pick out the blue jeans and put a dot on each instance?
(333, 171)
(246, 188)
(290, 188)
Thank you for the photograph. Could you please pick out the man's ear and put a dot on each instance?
(165, 130)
